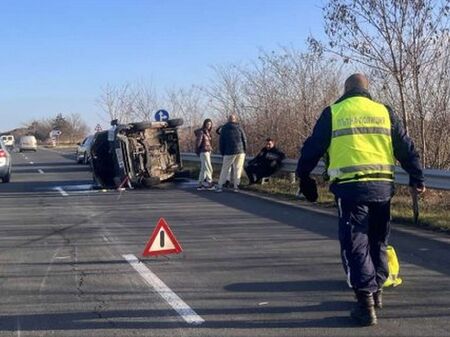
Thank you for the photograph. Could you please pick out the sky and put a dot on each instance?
(56, 56)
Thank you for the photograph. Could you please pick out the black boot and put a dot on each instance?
(378, 298)
(364, 310)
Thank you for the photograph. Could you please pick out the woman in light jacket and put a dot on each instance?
(203, 149)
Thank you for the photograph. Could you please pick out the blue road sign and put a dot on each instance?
(161, 115)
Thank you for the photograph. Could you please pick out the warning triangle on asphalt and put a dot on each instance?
(162, 241)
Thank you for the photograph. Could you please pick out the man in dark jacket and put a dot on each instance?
(362, 139)
(228, 182)
(232, 144)
(267, 162)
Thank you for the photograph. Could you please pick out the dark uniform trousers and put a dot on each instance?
(363, 233)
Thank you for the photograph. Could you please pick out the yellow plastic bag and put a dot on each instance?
(394, 268)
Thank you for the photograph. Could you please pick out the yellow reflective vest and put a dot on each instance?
(361, 145)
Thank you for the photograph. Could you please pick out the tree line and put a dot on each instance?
(72, 127)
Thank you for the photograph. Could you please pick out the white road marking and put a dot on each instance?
(31, 163)
(184, 310)
(85, 192)
(41, 171)
(83, 187)
(60, 190)
(105, 238)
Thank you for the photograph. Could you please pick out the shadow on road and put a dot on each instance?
(411, 248)
(39, 186)
(294, 286)
(52, 169)
(47, 164)
(168, 319)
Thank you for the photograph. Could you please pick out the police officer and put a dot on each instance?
(362, 139)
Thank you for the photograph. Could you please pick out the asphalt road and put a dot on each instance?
(250, 267)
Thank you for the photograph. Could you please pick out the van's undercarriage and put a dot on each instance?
(143, 153)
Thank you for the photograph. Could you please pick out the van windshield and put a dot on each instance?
(28, 139)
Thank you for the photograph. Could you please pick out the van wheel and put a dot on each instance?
(175, 122)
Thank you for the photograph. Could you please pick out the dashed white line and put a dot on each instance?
(41, 171)
(31, 162)
(60, 190)
(184, 310)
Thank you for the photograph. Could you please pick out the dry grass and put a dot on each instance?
(434, 204)
(434, 208)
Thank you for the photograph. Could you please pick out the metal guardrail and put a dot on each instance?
(439, 179)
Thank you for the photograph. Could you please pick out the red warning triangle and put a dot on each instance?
(162, 241)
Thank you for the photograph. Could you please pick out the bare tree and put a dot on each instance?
(129, 102)
(73, 128)
(145, 101)
(430, 96)
(76, 128)
(285, 92)
(279, 95)
(189, 104)
(400, 42)
(393, 37)
(225, 91)
(39, 128)
(118, 102)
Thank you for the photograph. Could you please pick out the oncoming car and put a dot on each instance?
(141, 154)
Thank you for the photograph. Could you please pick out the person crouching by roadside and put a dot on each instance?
(203, 148)
(233, 144)
(266, 162)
